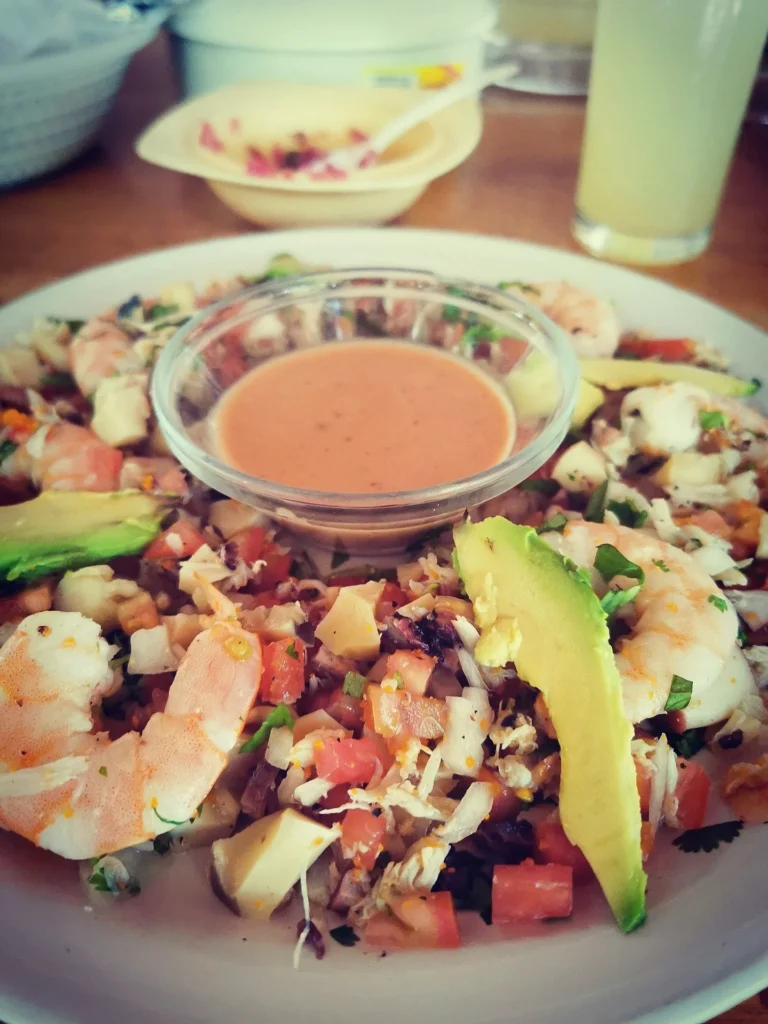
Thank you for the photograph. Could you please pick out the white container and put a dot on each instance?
(51, 106)
(412, 43)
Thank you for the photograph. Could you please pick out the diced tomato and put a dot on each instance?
(401, 714)
(531, 892)
(346, 709)
(709, 521)
(276, 570)
(644, 788)
(179, 541)
(392, 598)
(347, 581)
(283, 679)
(513, 350)
(348, 760)
(668, 350)
(692, 794)
(506, 803)
(248, 543)
(362, 833)
(419, 920)
(414, 668)
(554, 847)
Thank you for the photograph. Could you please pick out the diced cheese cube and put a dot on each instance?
(121, 409)
(254, 870)
(20, 366)
(349, 629)
(580, 469)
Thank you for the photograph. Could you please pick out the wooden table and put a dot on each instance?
(519, 183)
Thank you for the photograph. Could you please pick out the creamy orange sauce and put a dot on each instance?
(364, 417)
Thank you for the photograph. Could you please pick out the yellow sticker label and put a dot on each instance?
(424, 76)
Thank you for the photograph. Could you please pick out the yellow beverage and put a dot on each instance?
(669, 85)
(554, 22)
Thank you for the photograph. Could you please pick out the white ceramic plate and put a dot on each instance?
(175, 955)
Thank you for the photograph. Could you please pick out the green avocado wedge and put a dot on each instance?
(616, 374)
(564, 651)
(60, 530)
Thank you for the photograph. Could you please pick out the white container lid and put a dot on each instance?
(332, 26)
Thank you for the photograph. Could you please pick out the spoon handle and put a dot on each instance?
(438, 101)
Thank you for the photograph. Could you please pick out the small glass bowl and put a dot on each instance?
(504, 337)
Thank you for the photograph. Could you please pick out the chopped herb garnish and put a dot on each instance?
(627, 513)
(158, 311)
(687, 743)
(340, 555)
(451, 314)
(556, 522)
(548, 488)
(399, 681)
(103, 771)
(719, 602)
(99, 881)
(710, 419)
(480, 332)
(162, 844)
(518, 284)
(354, 684)
(610, 562)
(741, 636)
(661, 565)
(74, 326)
(755, 385)
(616, 599)
(291, 650)
(595, 512)
(7, 448)
(708, 838)
(344, 935)
(679, 694)
(275, 719)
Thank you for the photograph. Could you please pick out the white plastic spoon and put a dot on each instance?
(349, 158)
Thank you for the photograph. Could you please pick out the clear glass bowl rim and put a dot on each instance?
(326, 285)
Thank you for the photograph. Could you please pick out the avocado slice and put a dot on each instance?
(562, 648)
(67, 529)
(616, 374)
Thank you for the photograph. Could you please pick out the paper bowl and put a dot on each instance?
(208, 137)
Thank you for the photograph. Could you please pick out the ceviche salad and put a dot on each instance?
(516, 710)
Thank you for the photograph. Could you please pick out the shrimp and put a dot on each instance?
(76, 792)
(100, 350)
(66, 457)
(665, 418)
(592, 323)
(684, 625)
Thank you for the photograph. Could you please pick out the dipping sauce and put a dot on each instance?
(364, 417)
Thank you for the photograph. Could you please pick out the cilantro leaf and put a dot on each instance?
(291, 650)
(451, 314)
(74, 326)
(679, 694)
(719, 602)
(275, 719)
(615, 599)
(158, 311)
(687, 743)
(354, 684)
(167, 821)
(344, 935)
(556, 522)
(661, 565)
(549, 488)
(7, 448)
(480, 332)
(610, 562)
(710, 419)
(99, 881)
(708, 838)
(63, 381)
(596, 506)
(627, 513)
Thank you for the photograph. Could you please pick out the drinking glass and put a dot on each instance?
(668, 89)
